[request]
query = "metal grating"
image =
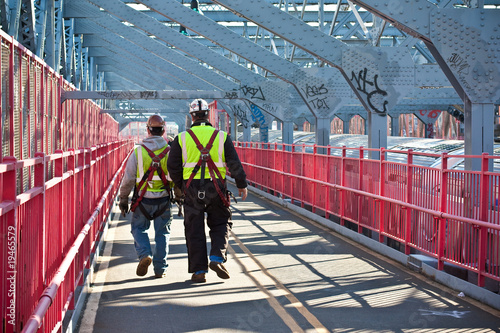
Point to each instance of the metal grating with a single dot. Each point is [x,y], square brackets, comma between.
[5,101]
[32,118]
[16,105]
[25,121]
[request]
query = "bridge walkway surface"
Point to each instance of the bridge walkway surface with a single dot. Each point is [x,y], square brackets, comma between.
[288,274]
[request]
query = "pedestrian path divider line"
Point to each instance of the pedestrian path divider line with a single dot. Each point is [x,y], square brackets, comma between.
[280,310]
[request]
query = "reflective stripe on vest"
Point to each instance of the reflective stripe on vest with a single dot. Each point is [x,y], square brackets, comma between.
[191,154]
[143,163]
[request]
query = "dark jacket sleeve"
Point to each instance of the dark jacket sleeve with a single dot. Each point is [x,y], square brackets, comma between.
[234,164]
[174,163]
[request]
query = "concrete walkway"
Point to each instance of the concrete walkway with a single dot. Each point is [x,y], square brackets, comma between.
[288,274]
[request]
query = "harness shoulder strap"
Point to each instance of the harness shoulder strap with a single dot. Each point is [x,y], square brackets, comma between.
[205,158]
[148,175]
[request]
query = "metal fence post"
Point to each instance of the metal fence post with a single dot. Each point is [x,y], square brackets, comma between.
[409,199]
[381,224]
[342,183]
[483,216]
[442,208]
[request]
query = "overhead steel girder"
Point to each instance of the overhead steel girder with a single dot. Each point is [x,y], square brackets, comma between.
[318,90]
[113,42]
[143,71]
[140,39]
[150,94]
[464,43]
[277,92]
[461,40]
[166,56]
[379,77]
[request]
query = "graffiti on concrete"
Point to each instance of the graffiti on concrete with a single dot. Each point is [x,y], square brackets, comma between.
[315,95]
[241,114]
[374,95]
[259,117]
[253,93]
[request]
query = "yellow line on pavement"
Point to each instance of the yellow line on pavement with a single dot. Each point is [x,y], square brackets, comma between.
[287,318]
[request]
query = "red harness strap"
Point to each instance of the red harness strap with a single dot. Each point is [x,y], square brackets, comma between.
[212,168]
[148,175]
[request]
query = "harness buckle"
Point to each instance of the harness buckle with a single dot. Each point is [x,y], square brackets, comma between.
[205,154]
[155,164]
[201,195]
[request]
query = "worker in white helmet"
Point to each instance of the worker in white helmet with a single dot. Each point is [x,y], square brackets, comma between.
[197,164]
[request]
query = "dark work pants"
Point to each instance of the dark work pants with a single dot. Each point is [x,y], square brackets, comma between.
[218,221]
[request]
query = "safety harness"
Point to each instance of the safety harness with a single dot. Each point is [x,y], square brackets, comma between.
[140,189]
[206,160]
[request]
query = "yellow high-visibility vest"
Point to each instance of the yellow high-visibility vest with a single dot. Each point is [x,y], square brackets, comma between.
[191,154]
[143,163]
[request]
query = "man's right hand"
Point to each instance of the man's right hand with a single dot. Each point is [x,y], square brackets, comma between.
[243,192]
[123,206]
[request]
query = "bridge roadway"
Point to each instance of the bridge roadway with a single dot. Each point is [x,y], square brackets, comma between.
[288,274]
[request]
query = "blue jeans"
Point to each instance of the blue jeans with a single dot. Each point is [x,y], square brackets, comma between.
[140,226]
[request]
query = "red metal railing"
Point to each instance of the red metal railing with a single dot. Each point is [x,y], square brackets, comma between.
[52,230]
[450,215]
[49,192]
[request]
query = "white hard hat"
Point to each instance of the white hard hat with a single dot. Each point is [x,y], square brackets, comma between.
[198,105]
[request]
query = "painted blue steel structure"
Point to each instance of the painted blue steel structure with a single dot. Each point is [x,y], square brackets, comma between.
[289,61]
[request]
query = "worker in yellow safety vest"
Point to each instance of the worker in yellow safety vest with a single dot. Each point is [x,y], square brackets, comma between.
[197,164]
[146,173]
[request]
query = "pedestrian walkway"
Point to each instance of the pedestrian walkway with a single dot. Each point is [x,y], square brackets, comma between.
[288,274]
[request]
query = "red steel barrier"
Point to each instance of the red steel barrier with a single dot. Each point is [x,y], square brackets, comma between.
[451,215]
[48,190]
[42,224]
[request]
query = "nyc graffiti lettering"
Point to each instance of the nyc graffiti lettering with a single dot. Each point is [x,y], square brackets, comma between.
[254,93]
[432,114]
[118,94]
[371,90]
[459,64]
[430,130]
[148,94]
[319,103]
[259,117]
[230,95]
[312,93]
[271,108]
[241,115]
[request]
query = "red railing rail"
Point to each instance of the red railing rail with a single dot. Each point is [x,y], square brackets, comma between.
[52,230]
[450,215]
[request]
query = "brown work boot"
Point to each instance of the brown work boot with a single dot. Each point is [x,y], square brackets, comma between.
[198,278]
[219,268]
[142,268]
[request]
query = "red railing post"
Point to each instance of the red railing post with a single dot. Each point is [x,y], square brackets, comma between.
[315,176]
[302,195]
[11,236]
[483,216]
[443,194]
[409,199]
[328,180]
[342,183]
[360,187]
[381,218]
